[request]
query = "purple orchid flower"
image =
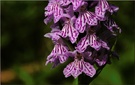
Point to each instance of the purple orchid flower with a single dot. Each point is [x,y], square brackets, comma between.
[59,52]
[85,17]
[78,66]
[80,34]
[100,9]
[112,26]
[92,41]
[102,61]
[54,35]
[99,57]
[69,30]
[54,9]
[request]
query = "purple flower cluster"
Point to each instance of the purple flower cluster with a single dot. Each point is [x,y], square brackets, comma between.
[88,32]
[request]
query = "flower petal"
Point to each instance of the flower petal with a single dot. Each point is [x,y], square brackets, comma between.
[72,53]
[65,31]
[65,2]
[104,45]
[91,18]
[80,24]
[100,9]
[85,17]
[76,4]
[77,68]
[100,14]
[102,61]
[82,45]
[103,4]
[48,19]
[74,68]
[54,35]
[49,9]
[70,31]
[113,9]
[62,58]
[93,42]
[88,69]
[90,39]
[87,55]
[58,12]
[59,52]
[68,70]
[73,34]
[49,59]
[112,26]
[53,8]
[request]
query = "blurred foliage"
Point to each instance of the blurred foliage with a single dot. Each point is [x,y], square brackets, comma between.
[22,42]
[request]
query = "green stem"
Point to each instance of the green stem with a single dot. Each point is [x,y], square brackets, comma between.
[76,81]
[112,49]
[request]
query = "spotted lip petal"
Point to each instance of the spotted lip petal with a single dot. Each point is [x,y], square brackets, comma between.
[54,8]
[68,70]
[90,40]
[58,12]
[59,52]
[82,44]
[85,17]
[76,68]
[70,31]
[100,9]
[100,14]
[72,69]
[88,69]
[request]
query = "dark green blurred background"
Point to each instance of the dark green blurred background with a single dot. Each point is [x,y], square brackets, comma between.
[24,48]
